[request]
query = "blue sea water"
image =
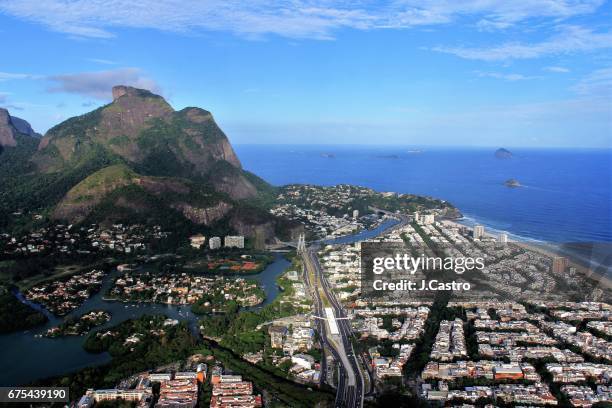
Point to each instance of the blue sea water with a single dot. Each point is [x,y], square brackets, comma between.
[566,195]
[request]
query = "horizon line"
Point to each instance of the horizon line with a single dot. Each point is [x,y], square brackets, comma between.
[419,146]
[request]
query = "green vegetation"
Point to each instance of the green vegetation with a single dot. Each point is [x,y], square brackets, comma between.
[555,388]
[39,191]
[15,316]
[361,199]
[14,161]
[103,178]
[471,340]
[34,271]
[266,192]
[79,325]
[157,345]
[420,355]
[119,141]
[237,330]
[286,392]
[100,169]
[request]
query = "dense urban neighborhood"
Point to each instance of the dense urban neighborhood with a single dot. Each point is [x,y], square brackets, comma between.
[522,338]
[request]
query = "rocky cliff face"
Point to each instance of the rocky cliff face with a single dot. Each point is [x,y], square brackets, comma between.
[24,127]
[141,129]
[7,129]
[137,160]
[131,112]
[203,215]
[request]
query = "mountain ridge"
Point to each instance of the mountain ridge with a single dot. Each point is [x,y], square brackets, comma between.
[138,158]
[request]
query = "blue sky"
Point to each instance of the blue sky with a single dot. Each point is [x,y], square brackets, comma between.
[456,72]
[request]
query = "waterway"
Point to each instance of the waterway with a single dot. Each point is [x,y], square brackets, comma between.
[26,357]
[362,235]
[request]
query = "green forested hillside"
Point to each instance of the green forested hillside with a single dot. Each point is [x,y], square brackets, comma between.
[137,160]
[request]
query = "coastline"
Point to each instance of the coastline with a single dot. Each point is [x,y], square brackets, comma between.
[548,250]
[549,208]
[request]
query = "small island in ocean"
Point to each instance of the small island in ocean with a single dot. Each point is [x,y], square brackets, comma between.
[388,156]
[328,155]
[502,153]
[512,183]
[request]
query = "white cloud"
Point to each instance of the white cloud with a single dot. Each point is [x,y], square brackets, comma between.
[8,76]
[489,14]
[598,84]
[102,61]
[504,76]
[99,84]
[570,39]
[290,18]
[561,70]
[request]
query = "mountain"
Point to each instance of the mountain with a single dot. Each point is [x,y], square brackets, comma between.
[24,127]
[11,127]
[7,130]
[142,129]
[17,144]
[138,160]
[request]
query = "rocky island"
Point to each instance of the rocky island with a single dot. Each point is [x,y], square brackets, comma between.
[512,183]
[502,153]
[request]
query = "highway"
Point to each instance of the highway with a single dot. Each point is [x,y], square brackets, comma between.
[350,384]
[350,388]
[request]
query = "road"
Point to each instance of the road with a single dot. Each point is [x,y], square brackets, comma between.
[350,389]
[350,384]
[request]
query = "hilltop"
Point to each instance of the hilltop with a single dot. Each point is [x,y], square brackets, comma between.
[135,159]
[141,129]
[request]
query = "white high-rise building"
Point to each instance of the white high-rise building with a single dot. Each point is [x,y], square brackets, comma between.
[355,214]
[478,231]
[416,217]
[503,238]
[214,243]
[234,241]
[559,264]
[427,219]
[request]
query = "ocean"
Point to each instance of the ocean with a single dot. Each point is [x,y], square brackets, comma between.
[565,195]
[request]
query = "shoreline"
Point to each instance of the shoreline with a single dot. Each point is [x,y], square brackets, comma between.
[547,250]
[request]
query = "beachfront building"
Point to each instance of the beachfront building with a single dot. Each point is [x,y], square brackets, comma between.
[479,232]
[559,265]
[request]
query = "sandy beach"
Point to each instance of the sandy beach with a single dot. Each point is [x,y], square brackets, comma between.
[549,251]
